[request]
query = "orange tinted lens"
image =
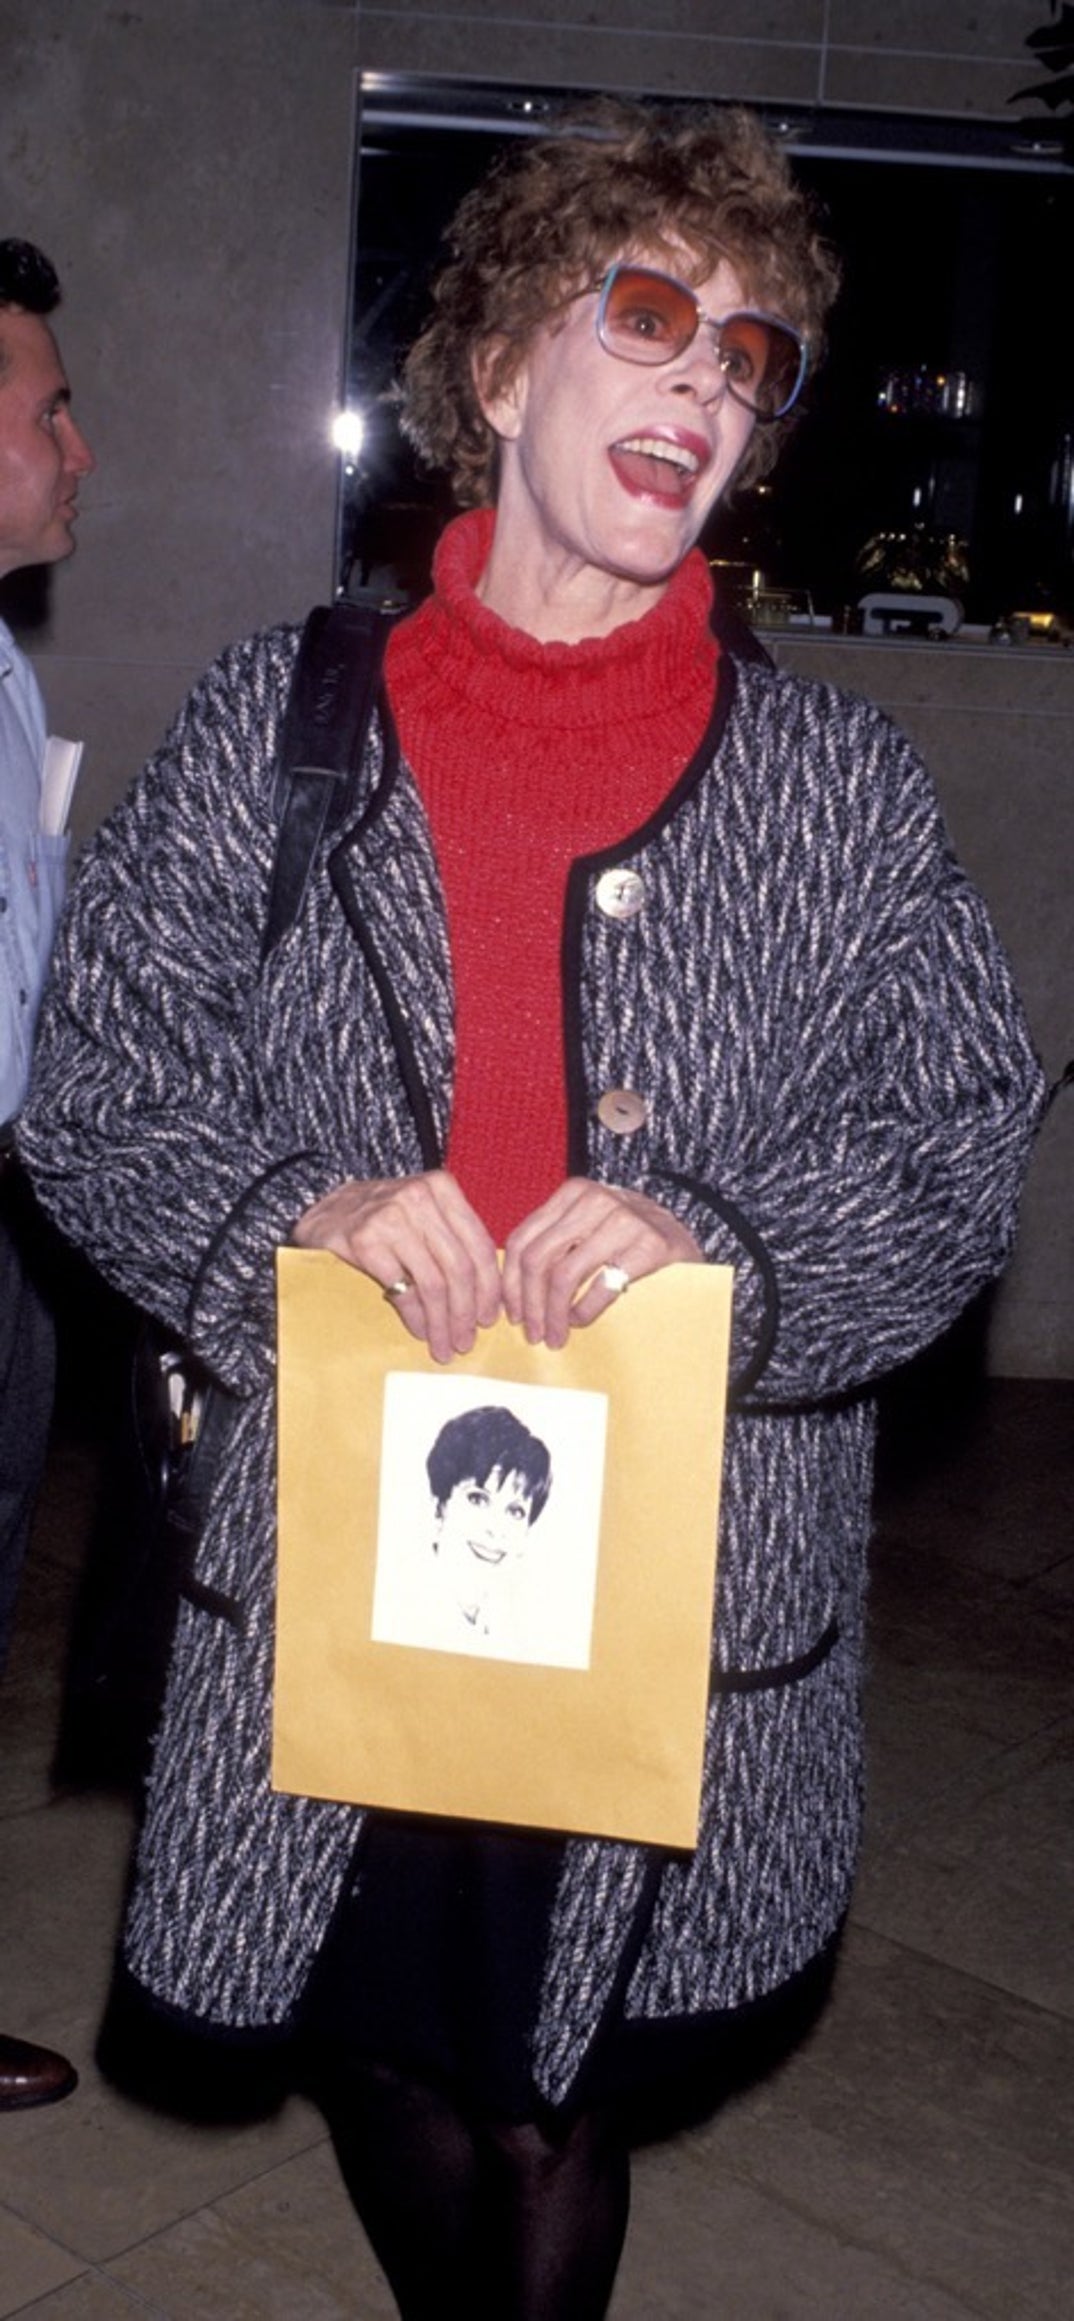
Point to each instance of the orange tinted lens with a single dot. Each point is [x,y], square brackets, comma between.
[760,360]
[646,317]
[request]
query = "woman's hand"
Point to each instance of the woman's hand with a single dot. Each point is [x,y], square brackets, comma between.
[561,1248]
[421,1231]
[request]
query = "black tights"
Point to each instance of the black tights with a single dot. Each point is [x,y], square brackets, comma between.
[502,2223]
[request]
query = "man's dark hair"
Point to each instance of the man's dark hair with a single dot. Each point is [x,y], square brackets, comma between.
[27,278]
[488,1441]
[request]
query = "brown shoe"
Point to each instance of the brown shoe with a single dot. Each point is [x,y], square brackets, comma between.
[30,2075]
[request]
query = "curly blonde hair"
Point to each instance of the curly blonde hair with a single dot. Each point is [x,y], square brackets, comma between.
[550,218]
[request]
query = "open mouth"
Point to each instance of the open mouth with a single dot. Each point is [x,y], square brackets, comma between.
[484,1552]
[661,469]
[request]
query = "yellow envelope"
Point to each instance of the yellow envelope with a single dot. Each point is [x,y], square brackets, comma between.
[528,1644]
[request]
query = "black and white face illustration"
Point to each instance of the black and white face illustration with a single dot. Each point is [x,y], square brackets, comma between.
[488,1542]
[480,1538]
[484,1514]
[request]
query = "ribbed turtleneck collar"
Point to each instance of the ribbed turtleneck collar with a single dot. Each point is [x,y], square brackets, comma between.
[643,667]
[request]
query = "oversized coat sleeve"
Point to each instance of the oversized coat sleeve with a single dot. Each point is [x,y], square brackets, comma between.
[148,1133]
[880,1092]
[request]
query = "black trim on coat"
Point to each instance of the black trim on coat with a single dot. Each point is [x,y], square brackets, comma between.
[578,1102]
[755,1247]
[216,1241]
[613,2008]
[339,871]
[725,1681]
[782,1672]
[574,916]
[214,1601]
[389,770]
[414,1085]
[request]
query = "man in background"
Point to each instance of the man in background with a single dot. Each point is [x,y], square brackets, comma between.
[43,459]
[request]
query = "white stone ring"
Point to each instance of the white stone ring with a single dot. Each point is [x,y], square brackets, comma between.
[615,1277]
[394,1290]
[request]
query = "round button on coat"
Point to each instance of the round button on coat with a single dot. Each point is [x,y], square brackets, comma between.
[620,894]
[622,1110]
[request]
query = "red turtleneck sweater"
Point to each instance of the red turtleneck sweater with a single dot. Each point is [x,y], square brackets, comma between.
[526,756]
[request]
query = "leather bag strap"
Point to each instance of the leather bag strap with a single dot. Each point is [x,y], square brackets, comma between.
[329,708]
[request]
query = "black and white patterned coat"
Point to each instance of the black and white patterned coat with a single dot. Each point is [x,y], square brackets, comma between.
[839,1093]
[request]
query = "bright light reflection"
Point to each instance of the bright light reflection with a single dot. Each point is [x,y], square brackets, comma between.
[348,433]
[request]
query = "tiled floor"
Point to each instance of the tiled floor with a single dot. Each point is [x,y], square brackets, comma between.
[913,2162]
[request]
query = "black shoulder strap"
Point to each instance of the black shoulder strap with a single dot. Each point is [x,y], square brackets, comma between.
[325,724]
[736,635]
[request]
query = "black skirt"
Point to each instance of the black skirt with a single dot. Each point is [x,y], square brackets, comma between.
[434,1964]
[434,1961]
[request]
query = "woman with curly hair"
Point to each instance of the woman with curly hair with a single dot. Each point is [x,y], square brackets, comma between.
[636,953]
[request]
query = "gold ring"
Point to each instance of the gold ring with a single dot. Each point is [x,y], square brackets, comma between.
[394,1290]
[615,1277]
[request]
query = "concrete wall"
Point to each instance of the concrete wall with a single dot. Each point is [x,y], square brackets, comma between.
[188,167]
[915,55]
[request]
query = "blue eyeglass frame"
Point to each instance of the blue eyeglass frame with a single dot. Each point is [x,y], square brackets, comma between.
[737,314]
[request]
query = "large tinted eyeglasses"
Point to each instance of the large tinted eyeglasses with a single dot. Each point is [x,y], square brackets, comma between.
[646,317]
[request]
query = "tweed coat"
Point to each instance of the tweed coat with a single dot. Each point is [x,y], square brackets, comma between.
[839,1098]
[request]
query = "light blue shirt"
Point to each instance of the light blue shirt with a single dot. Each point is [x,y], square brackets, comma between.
[32,871]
